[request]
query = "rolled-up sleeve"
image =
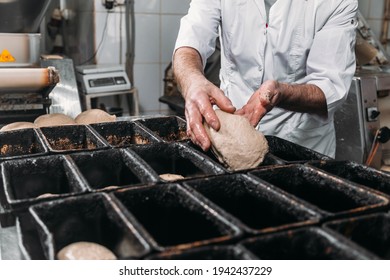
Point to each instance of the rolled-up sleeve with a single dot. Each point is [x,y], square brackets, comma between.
[199,28]
[331,60]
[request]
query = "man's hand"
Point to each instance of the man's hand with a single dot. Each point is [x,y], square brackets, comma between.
[200,95]
[261,102]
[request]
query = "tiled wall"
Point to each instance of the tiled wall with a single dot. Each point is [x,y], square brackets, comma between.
[157,24]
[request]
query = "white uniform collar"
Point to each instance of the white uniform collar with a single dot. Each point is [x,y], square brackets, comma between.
[264,6]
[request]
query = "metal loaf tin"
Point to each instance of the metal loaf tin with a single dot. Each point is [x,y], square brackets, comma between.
[169,129]
[106,169]
[21,144]
[332,196]
[291,152]
[269,158]
[281,152]
[357,173]
[256,207]
[171,218]
[91,218]
[226,252]
[28,240]
[124,133]
[71,138]
[7,217]
[33,180]
[311,243]
[177,158]
[372,232]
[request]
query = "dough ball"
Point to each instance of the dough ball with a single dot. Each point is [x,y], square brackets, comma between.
[85,251]
[237,144]
[170,177]
[56,119]
[17,125]
[94,116]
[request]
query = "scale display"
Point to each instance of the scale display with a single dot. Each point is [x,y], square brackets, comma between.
[110,81]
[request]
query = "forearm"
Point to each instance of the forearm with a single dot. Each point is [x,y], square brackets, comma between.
[305,98]
[187,67]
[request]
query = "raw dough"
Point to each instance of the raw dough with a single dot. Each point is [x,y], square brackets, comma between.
[170,177]
[85,251]
[17,125]
[55,119]
[46,195]
[237,144]
[94,116]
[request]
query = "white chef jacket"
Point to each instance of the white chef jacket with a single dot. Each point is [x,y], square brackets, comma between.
[299,42]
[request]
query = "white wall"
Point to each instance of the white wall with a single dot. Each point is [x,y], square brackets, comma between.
[157,24]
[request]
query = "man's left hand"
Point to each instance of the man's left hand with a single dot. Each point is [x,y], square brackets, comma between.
[261,102]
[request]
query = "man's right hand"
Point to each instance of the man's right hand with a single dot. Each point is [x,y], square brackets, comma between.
[200,96]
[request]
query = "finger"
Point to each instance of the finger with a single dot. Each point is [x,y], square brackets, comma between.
[189,129]
[195,128]
[201,137]
[222,101]
[257,115]
[253,120]
[249,112]
[206,110]
[240,112]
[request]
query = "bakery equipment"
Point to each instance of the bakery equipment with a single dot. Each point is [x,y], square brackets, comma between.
[31,85]
[311,243]
[64,96]
[102,78]
[24,93]
[95,81]
[357,121]
[28,92]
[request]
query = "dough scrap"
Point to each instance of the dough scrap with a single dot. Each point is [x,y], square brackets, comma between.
[170,177]
[55,119]
[94,116]
[18,125]
[237,144]
[85,251]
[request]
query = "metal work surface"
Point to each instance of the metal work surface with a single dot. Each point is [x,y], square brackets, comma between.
[64,96]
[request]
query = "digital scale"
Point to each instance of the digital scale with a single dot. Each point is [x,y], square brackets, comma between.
[95,81]
[102,78]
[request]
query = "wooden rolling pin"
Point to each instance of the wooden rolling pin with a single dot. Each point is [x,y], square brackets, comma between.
[27,79]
